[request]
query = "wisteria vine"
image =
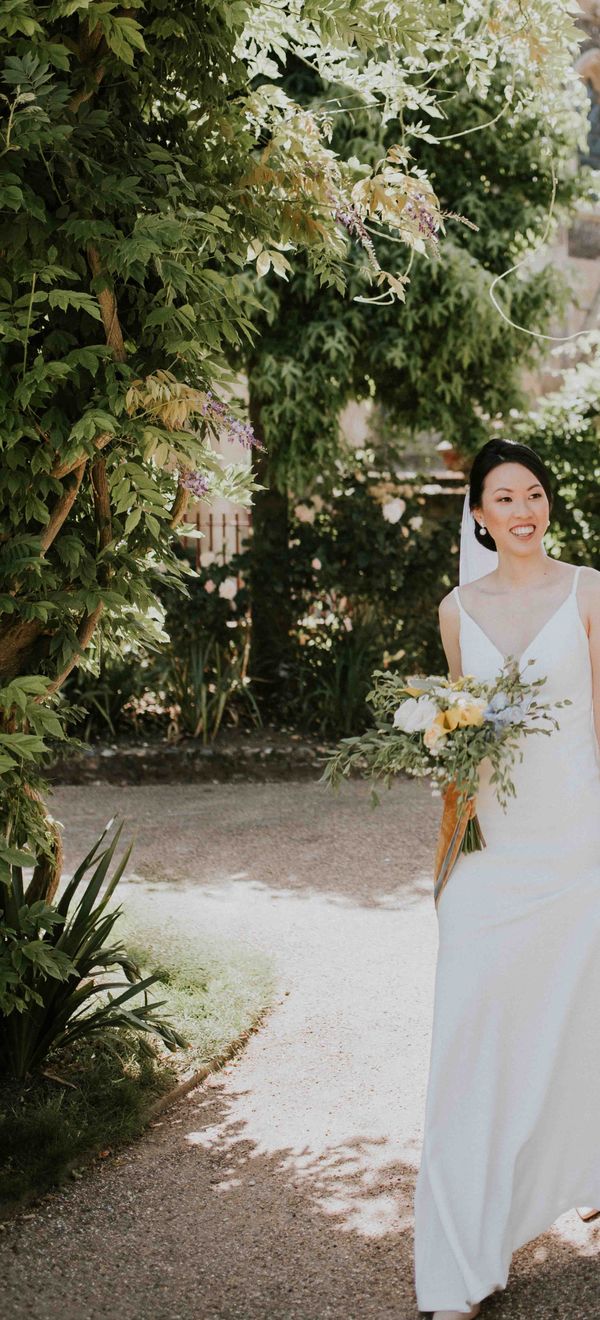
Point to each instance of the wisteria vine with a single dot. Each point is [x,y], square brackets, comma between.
[231,428]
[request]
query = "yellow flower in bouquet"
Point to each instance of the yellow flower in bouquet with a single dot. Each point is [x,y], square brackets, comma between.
[461,714]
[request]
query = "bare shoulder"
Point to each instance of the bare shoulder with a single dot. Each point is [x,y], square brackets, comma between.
[589,580]
[448,607]
[449,623]
[471,592]
[589,589]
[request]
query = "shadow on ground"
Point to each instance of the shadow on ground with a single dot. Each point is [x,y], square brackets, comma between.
[287,838]
[197,1223]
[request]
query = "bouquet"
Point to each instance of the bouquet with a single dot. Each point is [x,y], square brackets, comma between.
[432,726]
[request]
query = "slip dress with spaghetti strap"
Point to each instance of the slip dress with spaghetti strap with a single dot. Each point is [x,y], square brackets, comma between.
[512,1113]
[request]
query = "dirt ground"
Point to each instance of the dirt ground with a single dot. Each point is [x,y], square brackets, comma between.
[282,1189]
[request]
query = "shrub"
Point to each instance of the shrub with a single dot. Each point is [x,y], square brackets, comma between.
[58,967]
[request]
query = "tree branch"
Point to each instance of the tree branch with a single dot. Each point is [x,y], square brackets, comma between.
[88,47]
[101,495]
[64,469]
[85,633]
[61,510]
[179,506]
[46,875]
[87,627]
[108,308]
[16,640]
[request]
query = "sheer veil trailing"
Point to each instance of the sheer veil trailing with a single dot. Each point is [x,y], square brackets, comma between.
[475,559]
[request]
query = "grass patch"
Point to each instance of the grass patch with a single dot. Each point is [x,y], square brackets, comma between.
[47,1126]
[213,992]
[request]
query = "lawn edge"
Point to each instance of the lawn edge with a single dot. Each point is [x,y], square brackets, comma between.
[87,1161]
[214,1065]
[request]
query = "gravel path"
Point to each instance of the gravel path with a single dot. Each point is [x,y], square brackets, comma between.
[282,1189]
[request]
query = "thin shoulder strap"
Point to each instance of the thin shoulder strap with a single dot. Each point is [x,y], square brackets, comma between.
[457,597]
[574,582]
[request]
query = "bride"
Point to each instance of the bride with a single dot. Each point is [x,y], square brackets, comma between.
[511,1132]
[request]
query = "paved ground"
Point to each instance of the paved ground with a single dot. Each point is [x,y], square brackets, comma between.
[282,1190]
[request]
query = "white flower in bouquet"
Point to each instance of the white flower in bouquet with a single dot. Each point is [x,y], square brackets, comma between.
[415,714]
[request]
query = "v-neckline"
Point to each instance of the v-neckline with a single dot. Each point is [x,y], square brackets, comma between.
[538,634]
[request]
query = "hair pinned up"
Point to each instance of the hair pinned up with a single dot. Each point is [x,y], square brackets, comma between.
[490,456]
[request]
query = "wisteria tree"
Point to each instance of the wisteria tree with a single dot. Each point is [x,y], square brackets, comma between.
[444,359]
[151,158]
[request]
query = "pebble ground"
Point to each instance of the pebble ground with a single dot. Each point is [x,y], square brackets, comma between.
[281,1189]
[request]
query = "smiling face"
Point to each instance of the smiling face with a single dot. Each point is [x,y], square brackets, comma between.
[514,508]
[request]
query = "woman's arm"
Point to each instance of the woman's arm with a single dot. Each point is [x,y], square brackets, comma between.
[449,618]
[589,609]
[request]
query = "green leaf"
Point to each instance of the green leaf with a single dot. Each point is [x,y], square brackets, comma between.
[26,745]
[65,298]
[15,856]
[132,520]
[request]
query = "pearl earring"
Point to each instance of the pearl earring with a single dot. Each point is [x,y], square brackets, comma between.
[483,527]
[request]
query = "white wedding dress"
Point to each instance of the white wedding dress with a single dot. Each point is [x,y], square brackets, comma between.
[512,1116]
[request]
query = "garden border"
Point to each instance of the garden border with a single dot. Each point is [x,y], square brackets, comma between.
[10,1214]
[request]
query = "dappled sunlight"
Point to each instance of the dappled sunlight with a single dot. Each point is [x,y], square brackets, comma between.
[347,1184]
[222,886]
[362,1184]
[358,1185]
[356,1195]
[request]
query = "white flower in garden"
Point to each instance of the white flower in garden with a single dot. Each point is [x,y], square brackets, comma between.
[228,588]
[209,585]
[415,714]
[393,510]
[416,523]
[304,513]
[316,564]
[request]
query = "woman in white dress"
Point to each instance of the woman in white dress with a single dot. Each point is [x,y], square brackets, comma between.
[512,1131]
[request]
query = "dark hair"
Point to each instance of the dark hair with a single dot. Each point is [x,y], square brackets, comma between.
[490,456]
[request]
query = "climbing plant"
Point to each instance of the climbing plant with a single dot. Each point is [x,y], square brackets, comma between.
[154,169]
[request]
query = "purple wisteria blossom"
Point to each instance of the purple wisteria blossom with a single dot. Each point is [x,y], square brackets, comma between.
[352,222]
[230,425]
[426,222]
[197,482]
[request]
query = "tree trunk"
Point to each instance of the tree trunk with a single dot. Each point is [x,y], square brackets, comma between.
[269,581]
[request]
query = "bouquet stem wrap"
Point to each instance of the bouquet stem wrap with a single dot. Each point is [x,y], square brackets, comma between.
[460,831]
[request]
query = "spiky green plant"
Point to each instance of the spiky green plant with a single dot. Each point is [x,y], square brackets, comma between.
[59,967]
